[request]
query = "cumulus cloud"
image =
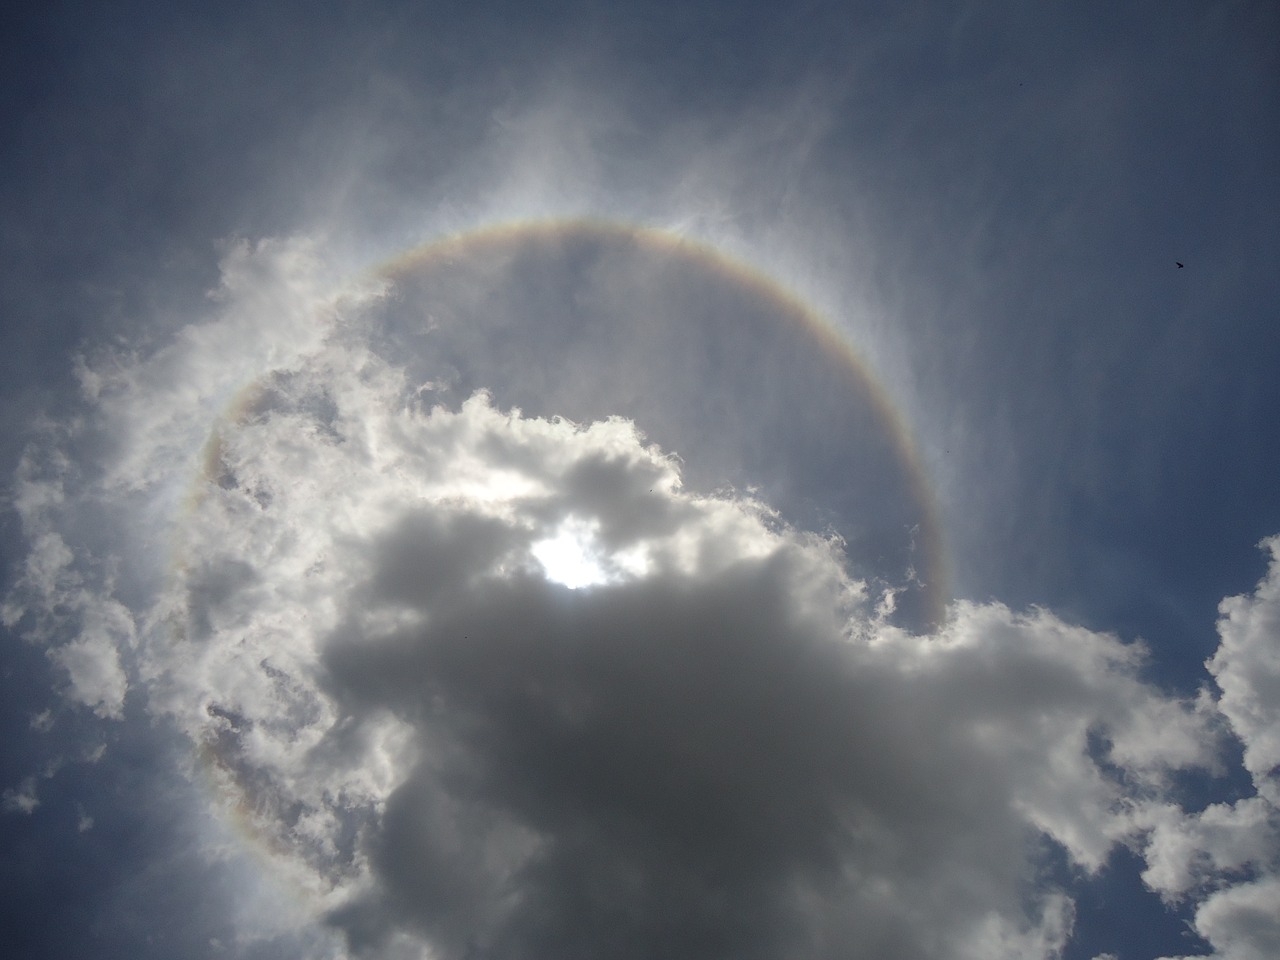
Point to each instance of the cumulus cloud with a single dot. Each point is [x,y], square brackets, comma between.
[1228,855]
[1247,669]
[491,684]
[718,750]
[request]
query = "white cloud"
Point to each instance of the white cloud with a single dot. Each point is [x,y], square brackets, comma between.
[1247,669]
[23,798]
[1229,854]
[83,629]
[1242,921]
[1189,851]
[93,663]
[716,744]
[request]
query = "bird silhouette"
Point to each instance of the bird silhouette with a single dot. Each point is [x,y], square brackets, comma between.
[1179,264]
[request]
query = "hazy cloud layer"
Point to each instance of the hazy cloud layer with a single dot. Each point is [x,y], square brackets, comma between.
[357,605]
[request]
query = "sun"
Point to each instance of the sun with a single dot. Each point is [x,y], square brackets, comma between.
[573,557]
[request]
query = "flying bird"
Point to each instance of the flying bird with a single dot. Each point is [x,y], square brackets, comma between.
[1179,263]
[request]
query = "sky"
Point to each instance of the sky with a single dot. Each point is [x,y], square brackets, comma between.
[553,480]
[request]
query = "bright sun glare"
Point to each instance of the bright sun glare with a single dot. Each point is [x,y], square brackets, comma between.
[572,557]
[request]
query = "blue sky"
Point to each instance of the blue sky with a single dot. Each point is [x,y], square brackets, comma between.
[846,310]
